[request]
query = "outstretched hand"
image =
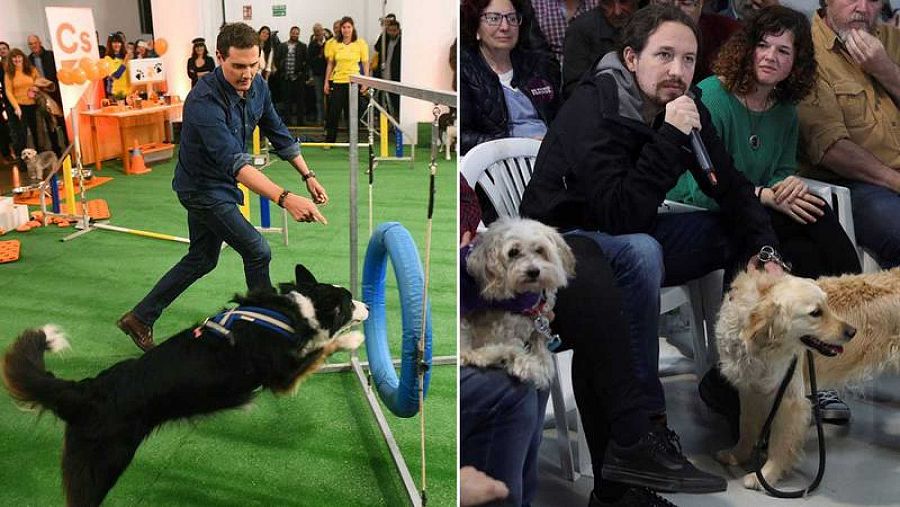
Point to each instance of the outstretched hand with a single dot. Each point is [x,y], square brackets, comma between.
[316,191]
[303,209]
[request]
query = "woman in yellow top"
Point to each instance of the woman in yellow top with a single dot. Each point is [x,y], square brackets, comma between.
[20,86]
[117,83]
[344,60]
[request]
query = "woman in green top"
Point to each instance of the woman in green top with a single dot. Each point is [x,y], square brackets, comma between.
[761,73]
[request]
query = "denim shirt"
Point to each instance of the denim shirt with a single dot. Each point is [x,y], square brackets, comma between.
[218,126]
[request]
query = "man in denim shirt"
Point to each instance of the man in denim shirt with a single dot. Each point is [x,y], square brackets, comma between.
[220,115]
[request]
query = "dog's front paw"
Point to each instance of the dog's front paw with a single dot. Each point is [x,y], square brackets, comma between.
[751,482]
[726,457]
[351,340]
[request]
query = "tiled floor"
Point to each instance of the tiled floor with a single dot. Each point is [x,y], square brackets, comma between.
[863,458]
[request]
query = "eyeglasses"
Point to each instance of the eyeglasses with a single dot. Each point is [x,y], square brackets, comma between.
[495,18]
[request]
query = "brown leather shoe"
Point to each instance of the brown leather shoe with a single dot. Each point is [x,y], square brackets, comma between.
[140,333]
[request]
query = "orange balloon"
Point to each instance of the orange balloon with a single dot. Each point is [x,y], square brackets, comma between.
[160,46]
[103,67]
[79,76]
[86,63]
[64,75]
[92,72]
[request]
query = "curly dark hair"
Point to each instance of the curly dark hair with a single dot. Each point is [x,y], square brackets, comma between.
[470,17]
[735,61]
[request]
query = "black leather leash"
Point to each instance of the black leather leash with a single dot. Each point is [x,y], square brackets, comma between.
[763,442]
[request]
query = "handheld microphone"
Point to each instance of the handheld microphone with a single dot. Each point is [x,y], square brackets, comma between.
[700,152]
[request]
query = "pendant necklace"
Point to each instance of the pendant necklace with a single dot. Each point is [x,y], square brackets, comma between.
[754,140]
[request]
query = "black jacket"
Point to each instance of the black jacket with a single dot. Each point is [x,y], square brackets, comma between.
[600,170]
[395,61]
[48,62]
[483,113]
[300,63]
[588,38]
[315,55]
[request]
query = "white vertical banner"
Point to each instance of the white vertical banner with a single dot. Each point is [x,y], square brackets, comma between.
[72,34]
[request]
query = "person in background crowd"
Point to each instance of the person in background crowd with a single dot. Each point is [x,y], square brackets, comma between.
[129,49]
[508,91]
[44,61]
[117,55]
[140,49]
[21,82]
[850,124]
[347,56]
[6,150]
[151,50]
[553,18]
[389,65]
[591,36]
[267,47]
[715,29]
[292,71]
[200,63]
[763,71]
[316,60]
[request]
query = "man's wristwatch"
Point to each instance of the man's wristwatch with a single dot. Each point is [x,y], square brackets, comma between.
[769,254]
[310,174]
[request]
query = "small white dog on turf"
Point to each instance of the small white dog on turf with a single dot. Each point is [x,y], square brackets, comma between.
[509,280]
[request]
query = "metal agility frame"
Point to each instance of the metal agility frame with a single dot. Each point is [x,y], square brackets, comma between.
[436,97]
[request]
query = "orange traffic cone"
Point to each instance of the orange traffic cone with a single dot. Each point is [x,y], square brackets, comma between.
[137,161]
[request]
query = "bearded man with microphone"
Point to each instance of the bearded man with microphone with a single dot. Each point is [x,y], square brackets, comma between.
[619,143]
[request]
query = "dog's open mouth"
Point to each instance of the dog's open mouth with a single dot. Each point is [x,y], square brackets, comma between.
[826,349]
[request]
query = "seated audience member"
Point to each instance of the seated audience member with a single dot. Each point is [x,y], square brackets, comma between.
[762,72]
[743,9]
[591,36]
[617,426]
[553,17]
[715,29]
[850,123]
[508,91]
[618,145]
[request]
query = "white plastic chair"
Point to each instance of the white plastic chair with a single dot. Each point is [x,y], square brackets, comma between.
[503,169]
[838,198]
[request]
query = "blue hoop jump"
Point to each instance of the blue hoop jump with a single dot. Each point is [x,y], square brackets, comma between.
[401,395]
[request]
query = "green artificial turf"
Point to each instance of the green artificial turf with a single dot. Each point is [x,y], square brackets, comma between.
[321,447]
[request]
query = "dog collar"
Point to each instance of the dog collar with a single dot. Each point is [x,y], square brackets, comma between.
[221,323]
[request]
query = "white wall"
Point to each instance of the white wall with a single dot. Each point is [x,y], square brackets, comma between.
[179,26]
[426,50]
[21,18]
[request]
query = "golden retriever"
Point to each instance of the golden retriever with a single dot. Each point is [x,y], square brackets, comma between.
[852,322]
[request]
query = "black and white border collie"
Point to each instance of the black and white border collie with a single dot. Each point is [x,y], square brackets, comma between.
[270,340]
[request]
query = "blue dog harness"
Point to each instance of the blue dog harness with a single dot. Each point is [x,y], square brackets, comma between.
[221,323]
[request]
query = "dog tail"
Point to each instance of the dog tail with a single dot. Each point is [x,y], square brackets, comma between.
[29,382]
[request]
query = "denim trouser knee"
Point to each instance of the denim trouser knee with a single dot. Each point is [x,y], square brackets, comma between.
[500,424]
[875,212]
[210,222]
[680,247]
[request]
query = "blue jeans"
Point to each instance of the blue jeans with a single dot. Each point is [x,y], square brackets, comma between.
[875,212]
[681,247]
[500,423]
[210,222]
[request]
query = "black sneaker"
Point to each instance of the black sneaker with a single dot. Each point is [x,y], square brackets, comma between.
[831,407]
[656,462]
[634,497]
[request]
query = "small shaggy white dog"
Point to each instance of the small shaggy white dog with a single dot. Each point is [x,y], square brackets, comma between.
[39,164]
[852,322]
[516,266]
